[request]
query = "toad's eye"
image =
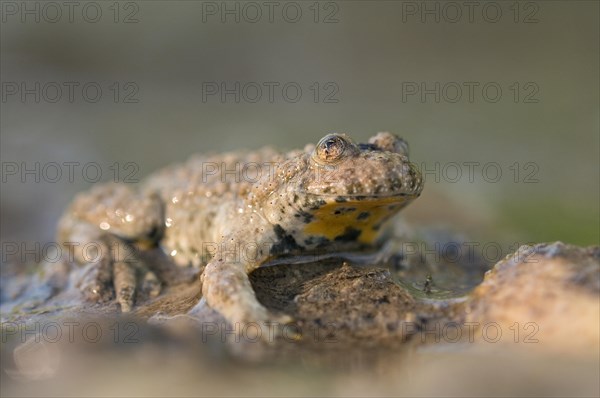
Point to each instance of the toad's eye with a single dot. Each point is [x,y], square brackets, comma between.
[331,147]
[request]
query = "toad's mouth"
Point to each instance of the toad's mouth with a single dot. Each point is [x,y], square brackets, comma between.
[360,197]
[389,197]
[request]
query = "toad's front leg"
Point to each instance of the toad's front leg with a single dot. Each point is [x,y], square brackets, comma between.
[227,289]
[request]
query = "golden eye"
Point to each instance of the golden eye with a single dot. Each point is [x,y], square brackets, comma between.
[331,147]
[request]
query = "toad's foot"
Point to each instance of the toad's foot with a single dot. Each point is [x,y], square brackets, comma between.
[227,289]
[118,273]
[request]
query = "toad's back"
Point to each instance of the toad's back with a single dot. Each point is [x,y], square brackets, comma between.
[204,197]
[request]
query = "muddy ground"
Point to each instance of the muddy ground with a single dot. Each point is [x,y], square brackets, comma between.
[401,327]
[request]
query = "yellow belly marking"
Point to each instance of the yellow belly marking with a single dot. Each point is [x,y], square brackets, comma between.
[331,225]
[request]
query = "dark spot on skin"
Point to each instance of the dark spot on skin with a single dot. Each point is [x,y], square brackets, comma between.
[344,210]
[349,235]
[316,204]
[285,242]
[363,216]
[306,216]
[318,241]
[156,233]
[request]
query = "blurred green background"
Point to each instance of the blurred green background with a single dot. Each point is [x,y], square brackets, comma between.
[366,57]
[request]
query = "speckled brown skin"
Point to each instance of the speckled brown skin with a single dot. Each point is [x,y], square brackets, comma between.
[236,211]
